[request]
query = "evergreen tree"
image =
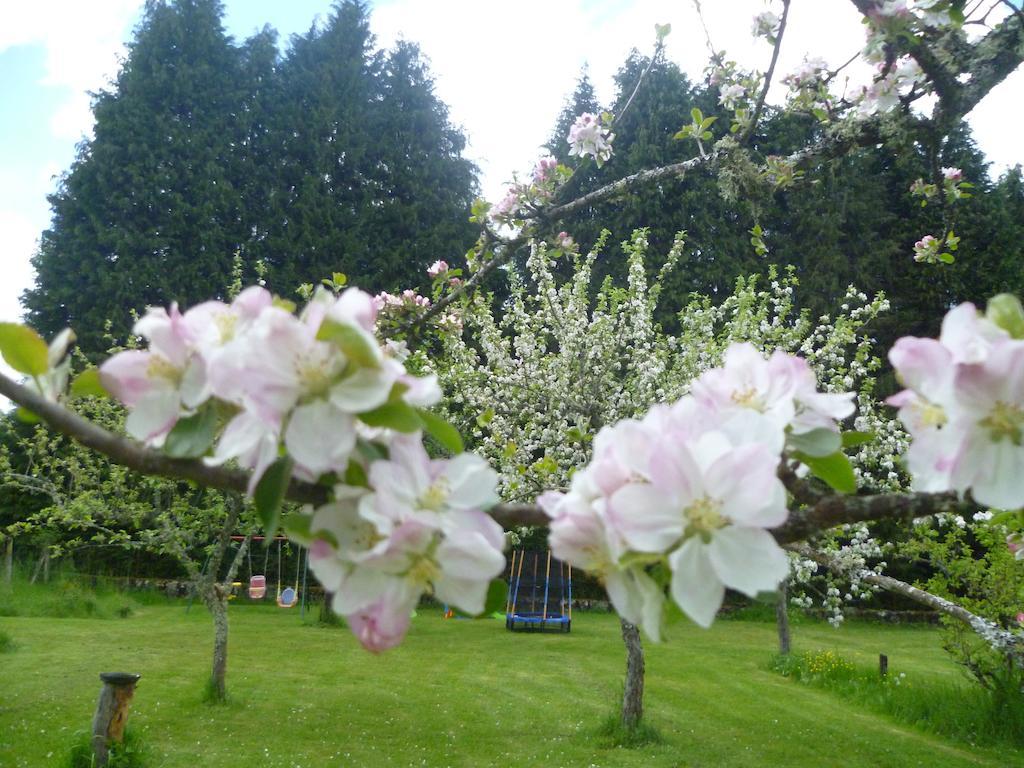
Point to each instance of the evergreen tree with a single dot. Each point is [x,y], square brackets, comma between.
[373,182]
[337,158]
[150,210]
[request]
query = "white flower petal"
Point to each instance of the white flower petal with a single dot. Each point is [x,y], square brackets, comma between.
[320,437]
[648,519]
[696,587]
[154,416]
[747,559]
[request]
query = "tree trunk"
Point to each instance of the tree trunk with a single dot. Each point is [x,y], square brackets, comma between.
[782,618]
[217,603]
[327,615]
[633,694]
[39,566]
[9,561]
[46,566]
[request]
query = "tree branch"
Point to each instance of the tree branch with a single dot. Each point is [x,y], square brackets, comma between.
[1003,640]
[768,75]
[135,456]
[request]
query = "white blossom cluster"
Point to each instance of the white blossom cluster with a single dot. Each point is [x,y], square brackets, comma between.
[534,378]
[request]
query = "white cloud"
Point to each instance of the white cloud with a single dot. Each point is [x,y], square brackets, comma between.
[83,43]
[504,69]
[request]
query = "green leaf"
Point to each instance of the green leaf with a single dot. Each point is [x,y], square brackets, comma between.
[24,349]
[26,416]
[834,469]
[398,415]
[852,438]
[355,475]
[443,432]
[351,341]
[286,304]
[88,384]
[697,115]
[1005,310]
[485,418]
[817,442]
[192,436]
[299,528]
[270,491]
[946,258]
[1006,517]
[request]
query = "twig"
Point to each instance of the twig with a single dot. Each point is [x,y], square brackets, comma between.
[768,75]
[135,456]
[707,35]
[1007,642]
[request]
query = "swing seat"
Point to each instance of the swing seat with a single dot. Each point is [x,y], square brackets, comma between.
[288,598]
[257,587]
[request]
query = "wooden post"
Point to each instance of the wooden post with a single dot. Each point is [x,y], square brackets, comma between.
[633,692]
[782,619]
[883,664]
[111,712]
[9,560]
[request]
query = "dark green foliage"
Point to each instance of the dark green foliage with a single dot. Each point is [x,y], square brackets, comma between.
[337,157]
[850,220]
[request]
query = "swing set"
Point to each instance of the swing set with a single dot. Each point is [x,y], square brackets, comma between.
[541,598]
[288,597]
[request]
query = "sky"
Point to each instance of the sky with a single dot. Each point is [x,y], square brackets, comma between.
[504,69]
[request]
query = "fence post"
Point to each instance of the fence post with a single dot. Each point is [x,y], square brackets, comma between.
[111,712]
[883,664]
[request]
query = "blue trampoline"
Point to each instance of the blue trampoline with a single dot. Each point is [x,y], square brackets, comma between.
[539,593]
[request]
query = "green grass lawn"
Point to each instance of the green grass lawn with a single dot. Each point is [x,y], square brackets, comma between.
[458,693]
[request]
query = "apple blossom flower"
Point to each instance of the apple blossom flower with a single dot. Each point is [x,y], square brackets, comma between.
[544,169]
[731,95]
[765,24]
[54,382]
[964,408]
[505,208]
[156,383]
[808,74]
[410,485]
[419,528]
[437,268]
[781,390]
[581,535]
[712,526]
[588,136]
[952,174]
[926,250]
[989,408]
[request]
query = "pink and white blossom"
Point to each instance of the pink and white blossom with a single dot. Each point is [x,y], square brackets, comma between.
[156,383]
[588,136]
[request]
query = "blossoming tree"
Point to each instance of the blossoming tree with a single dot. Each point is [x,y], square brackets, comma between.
[698,493]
